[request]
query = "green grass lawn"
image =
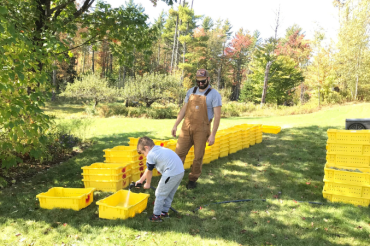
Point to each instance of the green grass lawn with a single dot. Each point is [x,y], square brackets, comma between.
[284,169]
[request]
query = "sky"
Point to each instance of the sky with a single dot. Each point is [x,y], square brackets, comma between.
[260,15]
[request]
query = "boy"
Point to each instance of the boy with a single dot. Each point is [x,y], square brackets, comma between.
[169,164]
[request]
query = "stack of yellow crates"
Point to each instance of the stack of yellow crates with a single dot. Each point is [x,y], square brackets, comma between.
[347,171]
[215,148]
[224,146]
[258,133]
[127,155]
[110,177]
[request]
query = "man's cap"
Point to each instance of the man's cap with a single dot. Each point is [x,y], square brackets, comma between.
[202,73]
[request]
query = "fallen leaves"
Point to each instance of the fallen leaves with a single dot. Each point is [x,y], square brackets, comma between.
[303,218]
[308,183]
[18,234]
[243,231]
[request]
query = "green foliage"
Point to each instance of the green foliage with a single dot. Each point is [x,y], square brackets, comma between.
[153,87]
[138,112]
[91,87]
[284,77]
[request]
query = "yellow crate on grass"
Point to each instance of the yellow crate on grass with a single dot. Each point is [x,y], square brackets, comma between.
[224,153]
[107,185]
[121,151]
[66,198]
[258,140]
[188,162]
[348,149]
[102,177]
[207,160]
[106,168]
[347,190]
[116,206]
[346,177]
[215,156]
[133,141]
[348,160]
[349,136]
[345,199]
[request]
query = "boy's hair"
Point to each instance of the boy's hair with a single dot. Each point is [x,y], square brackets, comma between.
[144,141]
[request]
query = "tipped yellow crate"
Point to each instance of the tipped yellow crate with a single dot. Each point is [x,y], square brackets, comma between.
[106,177]
[349,136]
[133,141]
[121,151]
[106,168]
[348,149]
[123,159]
[114,206]
[345,199]
[66,198]
[136,176]
[348,160]
[347,190]
[346,177]
[271,129]
[107,185]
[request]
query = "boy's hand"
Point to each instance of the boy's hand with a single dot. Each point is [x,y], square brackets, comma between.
[146,186]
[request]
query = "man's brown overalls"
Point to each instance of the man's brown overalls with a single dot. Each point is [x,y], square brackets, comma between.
[195,130]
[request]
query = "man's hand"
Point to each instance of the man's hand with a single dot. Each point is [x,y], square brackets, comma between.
[211,140]
[146,186]
[174,130]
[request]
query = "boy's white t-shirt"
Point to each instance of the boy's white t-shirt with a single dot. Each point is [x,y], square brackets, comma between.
[166,161]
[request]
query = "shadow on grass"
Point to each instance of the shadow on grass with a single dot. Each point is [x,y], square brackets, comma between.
[284,168]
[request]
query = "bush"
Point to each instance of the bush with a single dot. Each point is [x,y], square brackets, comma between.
[138,112]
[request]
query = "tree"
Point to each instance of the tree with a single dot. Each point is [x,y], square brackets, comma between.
[150,88]
[91,87]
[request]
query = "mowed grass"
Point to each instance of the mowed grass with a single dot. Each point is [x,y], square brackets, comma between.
[285,170]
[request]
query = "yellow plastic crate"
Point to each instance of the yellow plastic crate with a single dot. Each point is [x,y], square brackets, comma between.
[66,198]
[133,141]
[258,140]
[108,186]
[345,199]
[106,177]
[348,149]
[188,163]
[156,173]
[233,150]
[162,143]
[207,160]
[347,190]
[224,153]
[348,160]
[106,168]
[121,151]
[123,159]
[349,136]
[114,207]
[271,129]
[344,177]
[136,176]
[215,156]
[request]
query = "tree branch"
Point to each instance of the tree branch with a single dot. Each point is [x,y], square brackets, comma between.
[82,44]
[87,4]
[59,9]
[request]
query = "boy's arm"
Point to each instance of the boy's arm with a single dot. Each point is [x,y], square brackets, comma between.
[146,176]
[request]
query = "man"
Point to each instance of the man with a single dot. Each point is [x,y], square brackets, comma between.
[202,104]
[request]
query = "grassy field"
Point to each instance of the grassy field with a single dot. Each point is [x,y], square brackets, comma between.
[284,169]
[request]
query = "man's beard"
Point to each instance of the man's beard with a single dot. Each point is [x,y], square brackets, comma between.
[203,86]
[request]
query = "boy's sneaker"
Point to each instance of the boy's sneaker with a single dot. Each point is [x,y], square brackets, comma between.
[155,218]
[165,215]
[191,185]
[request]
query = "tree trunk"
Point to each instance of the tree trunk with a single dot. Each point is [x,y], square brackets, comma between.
[302,92]
[264,92]
[93,62]
[177,41]
[54,82]
[159,55]
[111,63]
[174,43]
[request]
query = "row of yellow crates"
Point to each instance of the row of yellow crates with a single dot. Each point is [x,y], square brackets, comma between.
[347,171]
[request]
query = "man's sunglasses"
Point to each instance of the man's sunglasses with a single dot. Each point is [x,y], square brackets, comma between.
[202,81]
